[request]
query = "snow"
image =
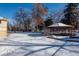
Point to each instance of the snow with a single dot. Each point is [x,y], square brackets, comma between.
[2,17]
[34,44]
[60,25]
[60,37]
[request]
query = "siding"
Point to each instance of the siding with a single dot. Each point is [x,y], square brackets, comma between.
[3,28]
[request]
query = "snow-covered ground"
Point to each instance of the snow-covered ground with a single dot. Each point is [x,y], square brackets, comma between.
[34,44]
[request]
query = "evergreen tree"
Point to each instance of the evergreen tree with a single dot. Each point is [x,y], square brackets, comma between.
[48,22]
[70,14]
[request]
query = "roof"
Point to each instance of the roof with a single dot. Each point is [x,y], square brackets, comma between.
[59,25]
[2,18]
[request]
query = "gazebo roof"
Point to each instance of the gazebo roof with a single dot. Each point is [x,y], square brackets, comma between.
[59,25]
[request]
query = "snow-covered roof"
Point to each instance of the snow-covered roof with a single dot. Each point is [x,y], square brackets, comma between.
[59,25]
[2,18]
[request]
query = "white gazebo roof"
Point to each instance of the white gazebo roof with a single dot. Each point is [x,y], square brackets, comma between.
[59,25]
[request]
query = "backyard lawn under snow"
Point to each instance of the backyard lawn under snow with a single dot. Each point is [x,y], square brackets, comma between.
[34,44]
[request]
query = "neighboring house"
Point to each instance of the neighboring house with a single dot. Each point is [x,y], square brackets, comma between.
[3,27]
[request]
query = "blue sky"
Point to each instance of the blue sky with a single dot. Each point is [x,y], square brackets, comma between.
[8,9]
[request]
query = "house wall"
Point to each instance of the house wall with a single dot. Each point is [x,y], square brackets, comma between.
[3,28]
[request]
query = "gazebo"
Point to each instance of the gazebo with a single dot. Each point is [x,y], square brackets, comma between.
[60,28]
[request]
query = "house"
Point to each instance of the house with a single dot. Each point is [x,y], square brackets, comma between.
[3,27]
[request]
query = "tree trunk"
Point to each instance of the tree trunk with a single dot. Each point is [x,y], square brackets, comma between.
[46,31]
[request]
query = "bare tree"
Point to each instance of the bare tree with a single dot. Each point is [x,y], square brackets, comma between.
[21,16]
[38,12]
